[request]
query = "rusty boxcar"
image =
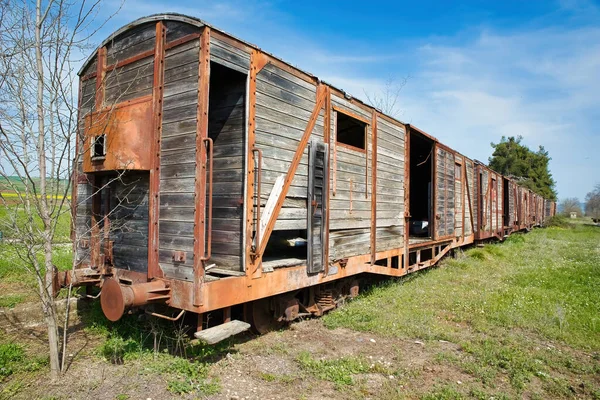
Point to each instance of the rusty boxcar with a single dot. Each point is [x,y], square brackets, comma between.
[216,178]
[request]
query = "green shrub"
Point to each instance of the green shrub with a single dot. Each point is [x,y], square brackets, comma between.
[559,221]
[115,349]
[10,355]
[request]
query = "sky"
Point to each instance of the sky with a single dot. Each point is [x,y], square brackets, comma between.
[474,70]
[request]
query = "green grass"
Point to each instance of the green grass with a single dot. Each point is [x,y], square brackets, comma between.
[13,359]
[17,282]
[509,306]
[162,347]
[13,217]
[340,371]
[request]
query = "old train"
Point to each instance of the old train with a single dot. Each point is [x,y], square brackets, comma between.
[216,178]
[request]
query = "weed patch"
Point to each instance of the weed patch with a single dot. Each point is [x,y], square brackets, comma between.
[503,303]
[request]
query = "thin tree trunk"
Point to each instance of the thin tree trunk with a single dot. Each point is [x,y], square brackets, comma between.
[46,294]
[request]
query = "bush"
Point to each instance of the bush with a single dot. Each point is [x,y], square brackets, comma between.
[559,221]
[115,348]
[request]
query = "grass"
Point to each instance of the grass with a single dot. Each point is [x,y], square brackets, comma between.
[13,217]
[17,283]
[340,371]
[161,347]
[524,311]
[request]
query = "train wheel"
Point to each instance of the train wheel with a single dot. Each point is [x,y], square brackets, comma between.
[261,317]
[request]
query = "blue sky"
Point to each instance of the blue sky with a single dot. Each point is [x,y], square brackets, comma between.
[476,70]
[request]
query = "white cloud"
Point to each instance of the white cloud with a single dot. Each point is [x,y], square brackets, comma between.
[541,81]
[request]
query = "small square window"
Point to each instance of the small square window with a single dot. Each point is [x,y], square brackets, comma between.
[351,132]
[98,147]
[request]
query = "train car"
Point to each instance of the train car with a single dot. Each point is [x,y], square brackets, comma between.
[490,203]
[441,198]
[216,178]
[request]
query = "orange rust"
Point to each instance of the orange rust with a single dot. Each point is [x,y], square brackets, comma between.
[182,40]
[352,114]
[116,298]
[154,269]
[100,74]
[292,169]
[251,190]
[131,60]
[327,140]
[200,188]
[374,187]
[127,131]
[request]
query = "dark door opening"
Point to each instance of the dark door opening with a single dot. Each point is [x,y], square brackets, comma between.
[226,122]
[421,173]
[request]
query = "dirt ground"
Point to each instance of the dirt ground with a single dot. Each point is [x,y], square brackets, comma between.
[253,367]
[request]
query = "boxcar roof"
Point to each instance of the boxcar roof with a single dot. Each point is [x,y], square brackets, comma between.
[200,23]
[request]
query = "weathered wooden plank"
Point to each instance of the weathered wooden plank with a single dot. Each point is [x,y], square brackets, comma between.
[177,29]
[221,332]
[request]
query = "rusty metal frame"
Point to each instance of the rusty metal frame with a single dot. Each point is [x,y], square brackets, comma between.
[407,133]
[373,187]
[463,174]
[321,95]
[334,148]
[352,114]
[201,158]
[473,230]
[100,75]
[257,63]
[182,40]
[132,59]
[154,270]
[327,140]
[209,193]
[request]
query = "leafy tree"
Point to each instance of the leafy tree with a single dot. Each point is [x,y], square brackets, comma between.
[569,205]
[531,169]
[592,203]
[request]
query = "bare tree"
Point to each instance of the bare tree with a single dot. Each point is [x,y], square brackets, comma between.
[592,203]
[41,44]
[569,205]
[387,99]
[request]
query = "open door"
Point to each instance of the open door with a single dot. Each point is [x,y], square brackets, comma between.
[421,155]
[316,206]
[444,192]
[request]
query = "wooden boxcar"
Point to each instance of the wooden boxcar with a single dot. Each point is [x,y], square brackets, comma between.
[490,203]
[216,178]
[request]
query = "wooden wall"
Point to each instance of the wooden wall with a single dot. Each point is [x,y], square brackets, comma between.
[284,104]
[135,79]
[512,204]
[470,198]
[350,191]
[459,196]
[390,185]
[128,216]
[178,159]
[83,192]
[444,192]
[226,128]
[483,194]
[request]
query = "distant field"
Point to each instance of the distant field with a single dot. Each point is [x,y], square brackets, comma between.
[11,187]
